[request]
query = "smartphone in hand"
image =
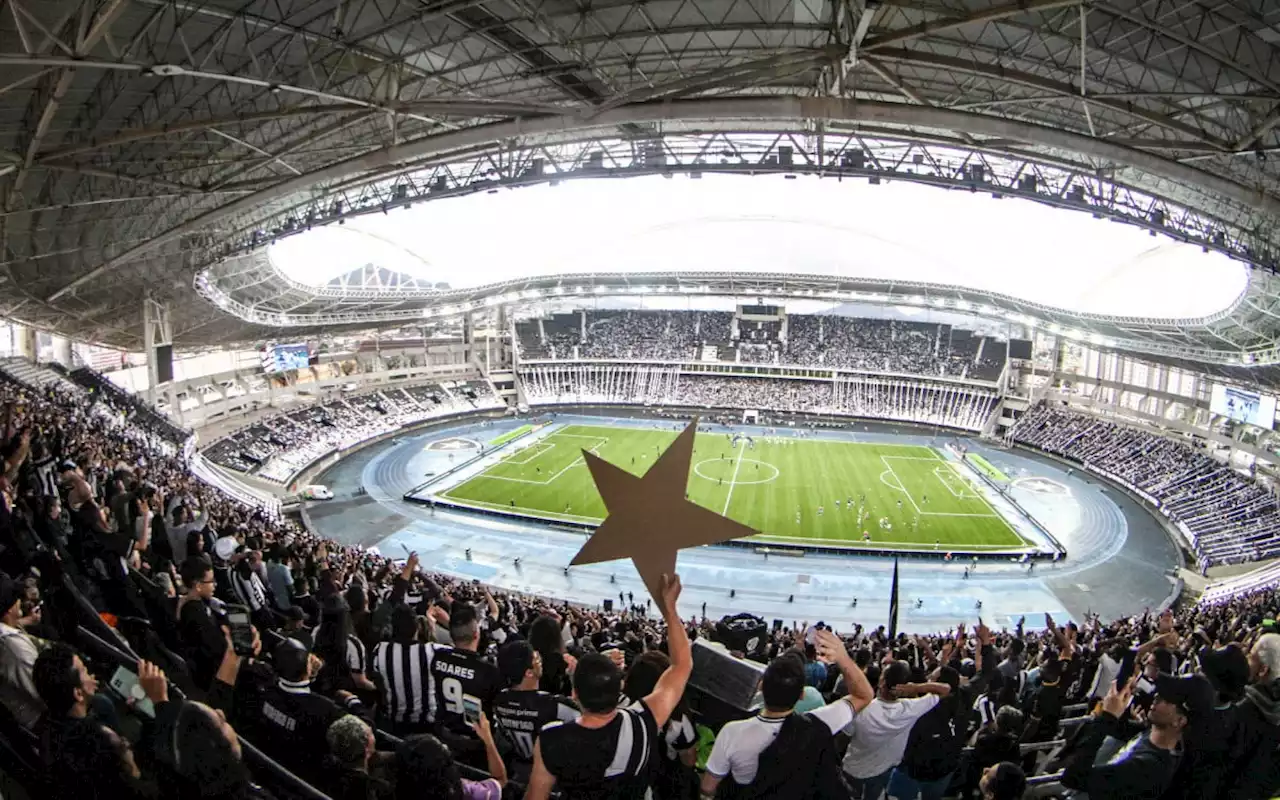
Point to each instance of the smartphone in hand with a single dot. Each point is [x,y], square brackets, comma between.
[125,683]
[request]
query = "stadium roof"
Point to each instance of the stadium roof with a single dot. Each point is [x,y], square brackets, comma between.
[766,224]
[144,140]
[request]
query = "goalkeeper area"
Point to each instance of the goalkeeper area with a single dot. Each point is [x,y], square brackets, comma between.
[794,490]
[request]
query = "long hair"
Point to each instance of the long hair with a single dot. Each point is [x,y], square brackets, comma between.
[332,635]
[425,769]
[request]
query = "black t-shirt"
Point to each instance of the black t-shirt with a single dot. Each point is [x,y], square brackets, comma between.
[455,673]
[519,716]
[598,763]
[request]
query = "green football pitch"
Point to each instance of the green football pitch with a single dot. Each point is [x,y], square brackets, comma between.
[791,490]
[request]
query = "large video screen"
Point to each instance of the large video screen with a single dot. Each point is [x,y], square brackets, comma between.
[284,357]
[1243,406]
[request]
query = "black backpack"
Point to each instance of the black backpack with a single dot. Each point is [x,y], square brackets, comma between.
[801,763]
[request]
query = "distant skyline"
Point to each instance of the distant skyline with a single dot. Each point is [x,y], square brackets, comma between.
[895,230]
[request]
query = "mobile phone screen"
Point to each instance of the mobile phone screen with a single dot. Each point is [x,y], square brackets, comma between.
[125,683]
[470,709]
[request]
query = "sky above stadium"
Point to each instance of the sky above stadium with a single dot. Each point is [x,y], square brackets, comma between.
[896,230]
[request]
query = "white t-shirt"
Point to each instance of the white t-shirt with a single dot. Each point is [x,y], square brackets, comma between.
[880,734]
[738,747]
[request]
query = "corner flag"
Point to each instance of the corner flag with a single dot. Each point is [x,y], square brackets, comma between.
[893,603]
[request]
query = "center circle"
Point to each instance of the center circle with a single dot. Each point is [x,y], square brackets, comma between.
[730,464]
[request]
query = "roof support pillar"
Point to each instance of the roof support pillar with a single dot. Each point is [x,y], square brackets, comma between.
[157,335]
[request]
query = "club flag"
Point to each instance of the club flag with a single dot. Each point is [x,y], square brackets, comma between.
[893,603]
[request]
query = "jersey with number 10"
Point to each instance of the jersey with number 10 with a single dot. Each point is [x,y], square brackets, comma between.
[455,673]
[520,714]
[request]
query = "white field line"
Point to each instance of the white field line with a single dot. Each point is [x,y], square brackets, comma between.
[898,478]
[541,447]
[946,478]
[536,512]
[742,448]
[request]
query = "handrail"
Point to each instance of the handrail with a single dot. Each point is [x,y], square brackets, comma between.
[292,782]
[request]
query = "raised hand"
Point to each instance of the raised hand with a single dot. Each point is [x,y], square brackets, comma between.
[151,679]
[1119,697]
[671,588]
[830,648]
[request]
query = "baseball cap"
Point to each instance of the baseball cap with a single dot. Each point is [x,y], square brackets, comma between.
[290,658]
[1227,669]
[1192,694]
[225,547]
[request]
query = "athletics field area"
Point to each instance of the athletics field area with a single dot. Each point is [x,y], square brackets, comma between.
[794,490]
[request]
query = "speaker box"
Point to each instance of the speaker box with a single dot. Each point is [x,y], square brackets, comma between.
[164,363]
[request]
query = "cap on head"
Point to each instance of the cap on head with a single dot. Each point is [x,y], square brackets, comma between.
[1192,694]
[292,660]
[1227,669]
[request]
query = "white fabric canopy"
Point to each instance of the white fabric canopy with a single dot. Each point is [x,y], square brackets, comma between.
[770,224]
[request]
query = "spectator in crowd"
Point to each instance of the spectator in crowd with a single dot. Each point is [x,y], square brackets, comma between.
[593,753]
[778,750]
[996,742]
[673,764]
[1003,781]
[405,666]
[18,653]
[1108,763]
[1254,773]
[199,620]
[521,711]
[557,666]
[879,735]
[353,748]
[293,721]
[426,768]
[280,579]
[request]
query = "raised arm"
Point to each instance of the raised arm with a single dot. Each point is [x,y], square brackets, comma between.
[830,648]
[664,697]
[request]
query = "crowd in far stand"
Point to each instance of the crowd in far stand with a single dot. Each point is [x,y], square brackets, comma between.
[372,679]
[1230,517]
[833,341]
[276,448]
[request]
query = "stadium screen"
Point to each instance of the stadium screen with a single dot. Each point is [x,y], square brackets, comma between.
[284,357]
[1243,406]
[1020,348]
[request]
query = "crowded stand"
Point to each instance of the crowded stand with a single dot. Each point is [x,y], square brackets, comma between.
[832,341]
[951,405]
[1227,517]
[278,448]
[162,640]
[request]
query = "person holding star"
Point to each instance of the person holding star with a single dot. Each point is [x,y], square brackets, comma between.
[609,751]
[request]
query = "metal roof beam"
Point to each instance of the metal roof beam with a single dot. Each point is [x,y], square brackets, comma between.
[747,108]
[993,14]
[1064,90]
